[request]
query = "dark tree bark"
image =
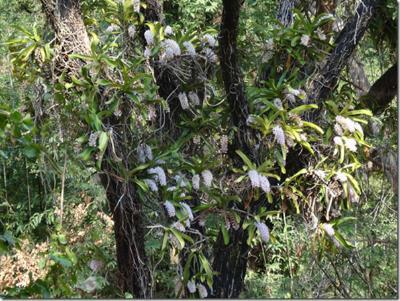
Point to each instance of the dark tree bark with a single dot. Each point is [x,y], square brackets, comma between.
[66,20]
[129,233]
[230,261]
[382,91]
[285,11]
[71,37]
[346,44]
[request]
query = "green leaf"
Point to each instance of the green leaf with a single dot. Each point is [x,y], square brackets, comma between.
[360,112]
[178,235]
[31,151]
[85,155]
[62,239]
[225,234]
[313,126]
[245,159]
[103,141]
[64,261]
[303,108]
[186,269]
[165,241]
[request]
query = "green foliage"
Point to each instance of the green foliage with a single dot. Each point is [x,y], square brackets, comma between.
[193,191]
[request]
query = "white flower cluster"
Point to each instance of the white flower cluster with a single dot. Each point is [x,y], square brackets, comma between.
[305,40]
[93,139]
[188,210]
[171,49]
[263,231]
[258,180]
[279,135]
[147,52]
[183,100]
[191,285]
[169,207]
[269,50]
[224,144]
[95,265]
[210,55]
[159,174]
[168,31]
[254,179]
[351,144]
[152,184]
[341,177]
[209,39]
[328,229]
[207,177]
[354,198]
[178,226]
[202,291]
[278,103]
[321,35]
[181,180]
[189,48]
[194,98]
[148,35]
[290,98]
[269,44]
[320,173]
[112,28]
[131,31]
[347,124]
[144,153]
[250,120]
[196,182]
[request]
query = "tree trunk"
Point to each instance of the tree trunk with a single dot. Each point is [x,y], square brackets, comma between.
[129,234]
[230,261]
[71,37]
[346,44]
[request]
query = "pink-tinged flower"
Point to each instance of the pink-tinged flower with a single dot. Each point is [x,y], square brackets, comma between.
[279,135]
[328,229]
[209,39]
[202,291]
[194,98]
[224,144]
[341,177]
[191,285]
[196,182]
[159,175]
[305,40]
[152,184]
[264,184]
[131,31]
[183,100]
[178,226]
[168,31]
[148,35]
[188,210]
[207,177]
[169,207]
[263,231]
[254,178]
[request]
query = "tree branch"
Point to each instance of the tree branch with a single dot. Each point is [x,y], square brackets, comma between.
[382,91]
[346,43]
